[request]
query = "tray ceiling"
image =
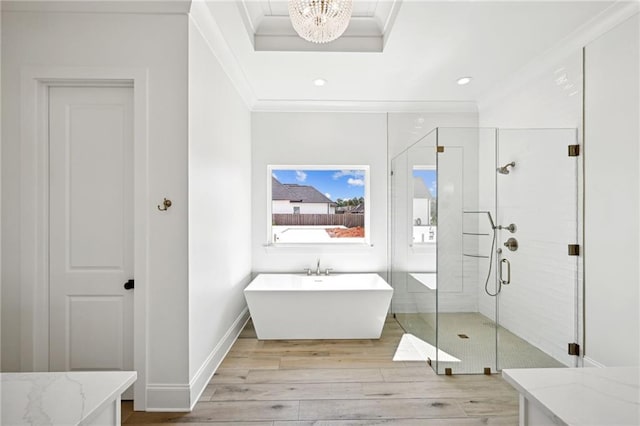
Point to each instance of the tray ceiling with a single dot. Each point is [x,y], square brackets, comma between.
[269,28]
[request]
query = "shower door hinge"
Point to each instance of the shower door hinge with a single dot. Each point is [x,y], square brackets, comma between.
[574,150]
[574,250]
[440,148]
[574,349]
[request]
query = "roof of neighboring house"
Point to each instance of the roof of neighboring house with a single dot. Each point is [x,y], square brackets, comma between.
[420,190]
[358,209]
[297,193]
[351,209]
[279,191]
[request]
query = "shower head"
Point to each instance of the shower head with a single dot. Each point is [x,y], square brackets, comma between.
[505,169]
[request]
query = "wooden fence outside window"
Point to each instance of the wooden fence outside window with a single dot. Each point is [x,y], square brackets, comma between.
[348,220]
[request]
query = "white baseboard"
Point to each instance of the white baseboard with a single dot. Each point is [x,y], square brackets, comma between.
[209,367]
[182,398]
[170,397]
[588,362]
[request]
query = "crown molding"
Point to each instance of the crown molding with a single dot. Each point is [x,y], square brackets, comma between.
[203,19]
[98,6]
[273,105]
[609,18]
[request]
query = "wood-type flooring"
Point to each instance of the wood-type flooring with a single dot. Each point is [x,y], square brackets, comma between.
[337,383]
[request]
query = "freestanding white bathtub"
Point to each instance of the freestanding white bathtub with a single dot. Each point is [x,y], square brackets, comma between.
[345,306]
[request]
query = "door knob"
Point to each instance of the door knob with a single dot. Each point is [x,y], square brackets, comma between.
[129,285]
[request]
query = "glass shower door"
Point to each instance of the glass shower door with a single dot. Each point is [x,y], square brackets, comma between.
[466,327]
[483,270]
[537,214]
[413,244]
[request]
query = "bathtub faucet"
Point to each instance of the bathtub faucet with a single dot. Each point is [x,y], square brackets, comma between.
[309,271]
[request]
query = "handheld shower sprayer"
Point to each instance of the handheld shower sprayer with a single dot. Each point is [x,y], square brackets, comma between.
[494,229]
[504,170]
[493,225]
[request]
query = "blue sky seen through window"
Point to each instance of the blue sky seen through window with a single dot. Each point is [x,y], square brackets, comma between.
[334,184]
[430,178]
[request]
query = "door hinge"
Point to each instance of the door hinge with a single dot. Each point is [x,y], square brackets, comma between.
[574,150]
[391,172]
[574,250]
[574,349]
[440,148]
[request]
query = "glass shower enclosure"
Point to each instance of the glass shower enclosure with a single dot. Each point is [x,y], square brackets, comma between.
[483,265]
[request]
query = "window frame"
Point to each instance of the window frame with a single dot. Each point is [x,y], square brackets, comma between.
[339,242]
[413,168]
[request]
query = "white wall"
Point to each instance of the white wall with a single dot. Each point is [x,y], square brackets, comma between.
[548,94]
[323,139]
[281,207]
[219,211]
[286,207]
[612,134]
[316,208]
[549,97]
[406,129]
[422,210]
[1,294]
[540,306]
[157,44]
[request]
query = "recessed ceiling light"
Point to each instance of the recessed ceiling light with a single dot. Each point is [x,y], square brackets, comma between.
[464,80]
[319,82]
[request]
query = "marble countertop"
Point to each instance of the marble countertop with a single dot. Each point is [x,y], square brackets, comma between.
[582,396]
[59,398]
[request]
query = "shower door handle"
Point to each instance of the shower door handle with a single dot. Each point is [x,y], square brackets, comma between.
[502,280]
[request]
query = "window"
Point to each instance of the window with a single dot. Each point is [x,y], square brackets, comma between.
[318,204]
[424,212]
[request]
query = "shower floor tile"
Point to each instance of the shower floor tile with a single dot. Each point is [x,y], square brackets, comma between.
[478,350]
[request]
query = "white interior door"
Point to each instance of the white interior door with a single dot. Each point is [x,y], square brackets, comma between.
[91,228]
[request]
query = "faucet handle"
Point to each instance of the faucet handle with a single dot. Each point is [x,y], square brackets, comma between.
[308,271]
[327,271]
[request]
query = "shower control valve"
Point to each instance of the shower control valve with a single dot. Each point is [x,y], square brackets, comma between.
[511,228]
[511,244]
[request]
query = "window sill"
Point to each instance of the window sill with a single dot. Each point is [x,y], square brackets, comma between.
[423,247]
[349,246]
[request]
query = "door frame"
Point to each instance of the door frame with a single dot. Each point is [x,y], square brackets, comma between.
[34,206]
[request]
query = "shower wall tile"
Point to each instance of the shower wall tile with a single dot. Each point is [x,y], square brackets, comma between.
[540,196]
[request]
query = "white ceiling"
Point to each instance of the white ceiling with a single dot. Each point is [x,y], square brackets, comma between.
[431,45]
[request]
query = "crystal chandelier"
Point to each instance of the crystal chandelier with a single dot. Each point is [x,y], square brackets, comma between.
[320,21]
